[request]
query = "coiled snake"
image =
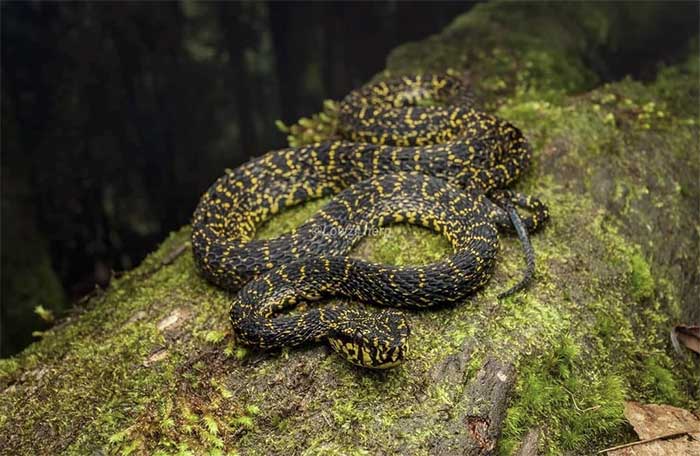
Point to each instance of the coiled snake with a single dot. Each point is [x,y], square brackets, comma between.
[445,167]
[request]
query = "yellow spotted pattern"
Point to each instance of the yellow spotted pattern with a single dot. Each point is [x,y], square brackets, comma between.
[445,166]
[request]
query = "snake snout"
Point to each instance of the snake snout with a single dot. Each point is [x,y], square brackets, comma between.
[372,340]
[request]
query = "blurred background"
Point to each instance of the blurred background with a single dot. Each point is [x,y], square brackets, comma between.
[117,116]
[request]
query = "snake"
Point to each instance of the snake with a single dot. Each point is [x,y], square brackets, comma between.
[411,149]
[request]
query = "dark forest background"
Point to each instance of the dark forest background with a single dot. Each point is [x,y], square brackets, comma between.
[117,116]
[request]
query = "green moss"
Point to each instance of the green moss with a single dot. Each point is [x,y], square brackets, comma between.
[319,127]
[657,382]
[391,246]
[291,218]
[241,353]
[526,60]
[642,280]
[558,393]
[678,86]
[214,337]
[7,367]
[253,410]
[244,421]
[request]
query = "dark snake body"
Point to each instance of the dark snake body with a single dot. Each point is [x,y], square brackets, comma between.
[442,167]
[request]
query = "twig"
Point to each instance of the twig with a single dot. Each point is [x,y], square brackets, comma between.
[573,399]
[166,261]
[323,414]
[176,252]
[590,409]
[639,442]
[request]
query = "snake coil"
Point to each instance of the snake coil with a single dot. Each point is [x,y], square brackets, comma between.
[445,167]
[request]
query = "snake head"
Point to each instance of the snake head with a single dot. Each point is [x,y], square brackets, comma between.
[367,339]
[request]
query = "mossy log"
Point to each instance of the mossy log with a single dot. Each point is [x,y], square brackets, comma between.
[149,366]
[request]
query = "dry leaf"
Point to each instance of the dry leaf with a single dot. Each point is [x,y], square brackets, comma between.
[172,321]
[652,420]
[689,336]
[159,355]
[664,431]
[683,445]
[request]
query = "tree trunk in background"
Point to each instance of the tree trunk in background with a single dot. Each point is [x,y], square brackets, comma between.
[238,37]
[150,366]
[280,28]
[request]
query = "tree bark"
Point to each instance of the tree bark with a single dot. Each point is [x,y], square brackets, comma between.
[238,36]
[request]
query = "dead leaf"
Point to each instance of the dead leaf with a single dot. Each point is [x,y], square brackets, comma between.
[172,321]
[140,315]
[689,336]
[156,357]
[651,420]
[664,431]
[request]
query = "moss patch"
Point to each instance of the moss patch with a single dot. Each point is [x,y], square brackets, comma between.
[587,406]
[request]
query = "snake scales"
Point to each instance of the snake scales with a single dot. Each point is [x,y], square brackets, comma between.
[445,167]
